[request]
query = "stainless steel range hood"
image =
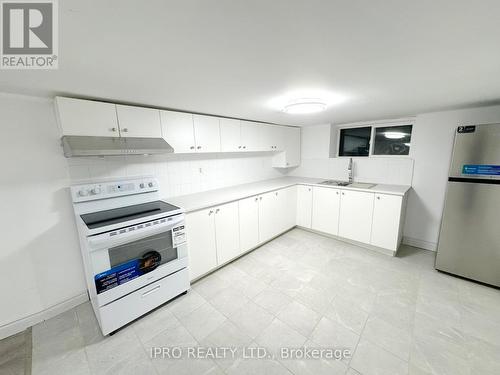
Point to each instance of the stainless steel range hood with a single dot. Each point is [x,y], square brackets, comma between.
[100,146]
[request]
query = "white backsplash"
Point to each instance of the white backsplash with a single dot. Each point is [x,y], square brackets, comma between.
[398,171]
[178,174]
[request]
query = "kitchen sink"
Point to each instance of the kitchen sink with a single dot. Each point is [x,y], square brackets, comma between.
[359,185]
[335,183]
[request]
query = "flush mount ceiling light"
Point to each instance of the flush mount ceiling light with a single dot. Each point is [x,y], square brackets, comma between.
[394,135]
[304,106]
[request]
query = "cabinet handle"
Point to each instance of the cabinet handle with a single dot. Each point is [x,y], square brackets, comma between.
[256,199]
[343,193]
[260,198]
[192,147]
[378,197]
[217,210]
[239,146]
[198,147]
[337,193]
[276,193]
[124,130]
[210,212]
[244,146]
[113,129]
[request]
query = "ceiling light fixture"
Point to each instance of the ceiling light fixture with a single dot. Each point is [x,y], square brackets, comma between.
[304,106]
[394,135]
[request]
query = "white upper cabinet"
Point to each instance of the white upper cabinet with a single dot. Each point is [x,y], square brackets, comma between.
[250,136]
[177,130]
[386,221]
[227,232]
[230,135]
[206,133]
[290,157]
[138,121]
[304,206]
[267,137]
[249,223]
[325,210]
[278,137]
[356,212]
[87,117]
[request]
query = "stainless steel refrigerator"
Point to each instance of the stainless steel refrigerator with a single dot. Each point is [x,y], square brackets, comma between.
[469,240]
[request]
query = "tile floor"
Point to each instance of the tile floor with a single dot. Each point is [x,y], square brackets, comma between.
[396,315]
[15,354]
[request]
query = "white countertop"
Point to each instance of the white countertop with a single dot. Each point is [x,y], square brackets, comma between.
[198,201]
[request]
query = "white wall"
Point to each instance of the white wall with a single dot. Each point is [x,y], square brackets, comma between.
[40,262]
[426,168]
[432,144]
[318,143]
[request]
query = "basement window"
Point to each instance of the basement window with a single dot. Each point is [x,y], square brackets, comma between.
[355,141]
[392,140]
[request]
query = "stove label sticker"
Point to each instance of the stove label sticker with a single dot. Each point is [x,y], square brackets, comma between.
[117,276]
[481,170]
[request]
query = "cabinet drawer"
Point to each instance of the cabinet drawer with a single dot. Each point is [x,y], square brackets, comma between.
[133,305]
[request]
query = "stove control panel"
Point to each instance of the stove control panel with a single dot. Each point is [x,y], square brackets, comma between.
[89,192]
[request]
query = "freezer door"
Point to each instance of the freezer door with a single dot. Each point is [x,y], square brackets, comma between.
[469,241]
[477,148]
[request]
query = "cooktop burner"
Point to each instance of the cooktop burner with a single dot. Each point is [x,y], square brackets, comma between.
[118,215]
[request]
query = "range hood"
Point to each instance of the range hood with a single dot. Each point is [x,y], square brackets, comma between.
[101,146]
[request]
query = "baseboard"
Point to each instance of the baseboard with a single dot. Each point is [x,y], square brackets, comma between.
[20,325]
[432,246]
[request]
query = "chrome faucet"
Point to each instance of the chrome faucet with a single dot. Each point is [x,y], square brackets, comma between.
[350,171]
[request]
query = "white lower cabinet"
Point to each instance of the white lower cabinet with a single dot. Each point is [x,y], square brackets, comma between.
[325,210]
[249,223]
[213,237]
[267,222]
[304,206]
[386,221]
[202,248]
[227,232]
[221,233]
[356,213]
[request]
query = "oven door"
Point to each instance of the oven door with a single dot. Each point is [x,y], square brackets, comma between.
[130,260]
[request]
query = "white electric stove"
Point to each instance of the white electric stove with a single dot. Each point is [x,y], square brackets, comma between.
[133,247]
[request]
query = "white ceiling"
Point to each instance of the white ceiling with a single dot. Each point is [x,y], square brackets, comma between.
[388,58]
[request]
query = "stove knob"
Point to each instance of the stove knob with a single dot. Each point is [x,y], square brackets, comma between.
[150,184]
[83,193]
[141,185]
[95,191]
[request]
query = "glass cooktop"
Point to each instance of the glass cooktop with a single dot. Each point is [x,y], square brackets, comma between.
[119,215]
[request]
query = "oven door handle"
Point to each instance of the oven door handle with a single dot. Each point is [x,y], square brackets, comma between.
[105,240]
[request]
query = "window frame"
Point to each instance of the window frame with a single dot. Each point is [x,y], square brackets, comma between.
[375,125]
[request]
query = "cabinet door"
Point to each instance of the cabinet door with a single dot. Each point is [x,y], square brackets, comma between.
[268,227]
[138,122]
[227,232]
[177,129]
[290,206]
[249,223]
[278,137]
[87,117]
[304,206]
[250,136]
[292,146]
[230,135]
[267,137]
[386,219]
[200,228]
[356,212]
[290,157]
[206,133]
[325,210]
